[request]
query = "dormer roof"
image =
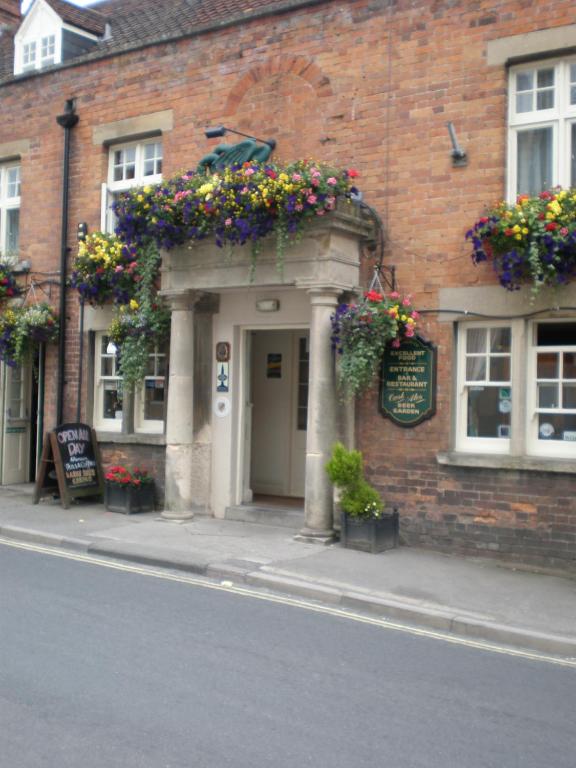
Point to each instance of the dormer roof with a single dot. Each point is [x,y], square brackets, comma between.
[82,18]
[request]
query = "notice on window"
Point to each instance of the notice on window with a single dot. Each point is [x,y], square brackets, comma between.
[273,366]
[408,382]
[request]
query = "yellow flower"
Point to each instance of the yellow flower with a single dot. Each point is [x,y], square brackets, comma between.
[516,228]
[525,230]
[134,304]
[518,237]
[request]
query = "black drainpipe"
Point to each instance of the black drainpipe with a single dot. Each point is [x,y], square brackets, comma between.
[68,120]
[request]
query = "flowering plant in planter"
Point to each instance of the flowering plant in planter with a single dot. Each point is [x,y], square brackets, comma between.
[105,268]
[9,288]
[121,475]
[128,491]
[23,327]
[346,470]
[361,332]
[240,204]
[530,241]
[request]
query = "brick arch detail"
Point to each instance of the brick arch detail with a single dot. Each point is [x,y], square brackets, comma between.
[300,66]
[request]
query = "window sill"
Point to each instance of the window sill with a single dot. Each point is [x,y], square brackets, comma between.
[138,438]
[522,463]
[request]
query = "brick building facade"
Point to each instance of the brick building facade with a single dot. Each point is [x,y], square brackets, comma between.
[357,83]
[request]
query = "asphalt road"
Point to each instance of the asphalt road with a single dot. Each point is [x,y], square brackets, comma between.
[102,668]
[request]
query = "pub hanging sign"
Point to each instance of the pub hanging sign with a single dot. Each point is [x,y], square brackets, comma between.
[408,382]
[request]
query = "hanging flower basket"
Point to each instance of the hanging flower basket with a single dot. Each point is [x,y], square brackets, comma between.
[21,328]
[530,242]
[105,269]
[362,331]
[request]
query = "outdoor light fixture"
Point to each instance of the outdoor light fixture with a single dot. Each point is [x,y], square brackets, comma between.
[111,349]
[459,157]
[221,130]
[268,305]
[81,231]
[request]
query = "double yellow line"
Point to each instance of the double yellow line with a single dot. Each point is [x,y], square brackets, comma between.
[230,587]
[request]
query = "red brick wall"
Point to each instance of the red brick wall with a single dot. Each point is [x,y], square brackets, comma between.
[362,84]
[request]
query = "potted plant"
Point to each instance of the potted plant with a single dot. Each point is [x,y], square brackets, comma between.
[365,525]
[531,241]
[361,332]
[128,491]
[21,328]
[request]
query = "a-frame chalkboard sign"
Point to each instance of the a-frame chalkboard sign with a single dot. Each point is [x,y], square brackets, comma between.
[70,465]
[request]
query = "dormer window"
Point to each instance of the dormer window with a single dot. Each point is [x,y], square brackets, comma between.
[53,32]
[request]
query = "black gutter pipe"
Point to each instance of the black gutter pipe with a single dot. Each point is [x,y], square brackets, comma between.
[67,121]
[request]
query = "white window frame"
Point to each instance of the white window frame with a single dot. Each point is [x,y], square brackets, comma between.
[560,118]
[111,188]
[110,425]
[464,442]
[536,446]
[8,203]
[141,424]
[48,42]
[524,440]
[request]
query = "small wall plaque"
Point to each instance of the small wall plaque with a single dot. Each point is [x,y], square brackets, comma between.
[223,352]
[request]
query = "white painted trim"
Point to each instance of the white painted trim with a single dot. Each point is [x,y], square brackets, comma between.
[81,32]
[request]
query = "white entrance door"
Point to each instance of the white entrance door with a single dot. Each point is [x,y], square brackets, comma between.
[279,412]
[16,437]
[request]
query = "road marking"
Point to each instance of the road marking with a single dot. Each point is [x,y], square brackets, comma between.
[228,586]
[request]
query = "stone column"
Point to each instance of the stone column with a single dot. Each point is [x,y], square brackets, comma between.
[187,476]
[322,421]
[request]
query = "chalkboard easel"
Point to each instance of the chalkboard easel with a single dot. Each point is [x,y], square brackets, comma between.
[70,465]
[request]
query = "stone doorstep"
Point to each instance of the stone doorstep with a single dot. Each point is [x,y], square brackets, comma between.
[280,517]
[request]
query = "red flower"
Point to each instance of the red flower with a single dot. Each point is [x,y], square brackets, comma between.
[269,172]
[373,296]
[483,220]
[551,226]
[353,173]
[508,232]
[541,216]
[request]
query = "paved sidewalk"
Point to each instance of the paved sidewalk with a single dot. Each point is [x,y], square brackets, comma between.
[470,597]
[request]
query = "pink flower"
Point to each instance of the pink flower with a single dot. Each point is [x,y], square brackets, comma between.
[119,268]
[406,301]
[396,343]
[394,295]
[564,231]
[312,199]
[299,207]
[296,177]
[315,182]
[315,173]
[331,181]
[248,171]
[330,203]
[409,331]
[245,190]
[415,315]
[228,222]
[320,212]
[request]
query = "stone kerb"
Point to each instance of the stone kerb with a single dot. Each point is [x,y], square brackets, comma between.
[327,254]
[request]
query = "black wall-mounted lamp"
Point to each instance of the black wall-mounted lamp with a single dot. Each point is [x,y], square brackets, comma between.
[81,231]
[221,130]
[459,156]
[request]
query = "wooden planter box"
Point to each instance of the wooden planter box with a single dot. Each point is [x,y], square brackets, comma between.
[129,499]
[370,535]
